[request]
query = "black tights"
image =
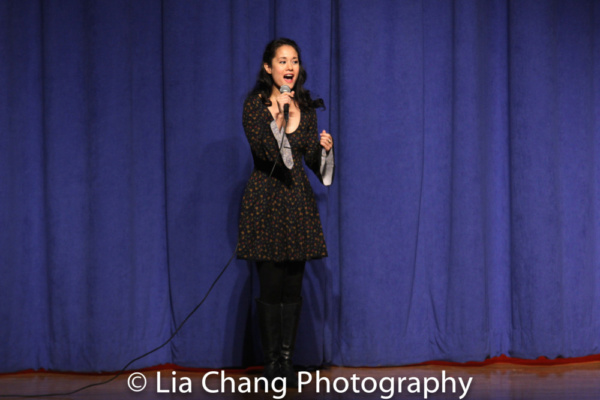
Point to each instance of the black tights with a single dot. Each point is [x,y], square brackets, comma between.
[280,282]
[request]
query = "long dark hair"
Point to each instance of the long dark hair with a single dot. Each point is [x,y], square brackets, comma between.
[264,82]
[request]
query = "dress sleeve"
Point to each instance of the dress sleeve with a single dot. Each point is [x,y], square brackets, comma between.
[264,140]
[321,162]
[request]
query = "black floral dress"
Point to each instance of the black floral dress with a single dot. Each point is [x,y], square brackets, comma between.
[279,219]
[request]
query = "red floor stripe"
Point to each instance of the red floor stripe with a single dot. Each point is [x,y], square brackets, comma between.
[522,361]
[495,360]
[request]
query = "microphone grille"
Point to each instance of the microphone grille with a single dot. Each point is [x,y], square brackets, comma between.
[285,89]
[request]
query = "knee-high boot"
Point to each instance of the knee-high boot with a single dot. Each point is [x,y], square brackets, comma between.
[290,315]
[269,321]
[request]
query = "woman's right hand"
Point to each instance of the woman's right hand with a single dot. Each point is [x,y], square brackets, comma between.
[283,99]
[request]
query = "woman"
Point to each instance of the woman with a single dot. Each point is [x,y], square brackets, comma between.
[280,227]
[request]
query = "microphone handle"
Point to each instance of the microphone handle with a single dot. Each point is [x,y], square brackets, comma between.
[286,112]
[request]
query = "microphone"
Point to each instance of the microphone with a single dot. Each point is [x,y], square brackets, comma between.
[286,107]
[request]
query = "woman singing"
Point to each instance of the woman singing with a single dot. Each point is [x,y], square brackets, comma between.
[280,227]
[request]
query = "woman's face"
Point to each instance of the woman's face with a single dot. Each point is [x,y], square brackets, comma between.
[285,67]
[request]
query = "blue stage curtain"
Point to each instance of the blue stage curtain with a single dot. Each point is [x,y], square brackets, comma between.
[463,222]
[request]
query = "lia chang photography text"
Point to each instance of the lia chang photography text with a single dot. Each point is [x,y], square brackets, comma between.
[217,382]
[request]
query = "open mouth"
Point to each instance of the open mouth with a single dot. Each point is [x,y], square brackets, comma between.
[288,78]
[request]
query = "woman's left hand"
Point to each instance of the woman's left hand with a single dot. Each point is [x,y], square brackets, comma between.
[326,140]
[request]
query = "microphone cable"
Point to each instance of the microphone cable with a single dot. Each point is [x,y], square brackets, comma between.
[185,320]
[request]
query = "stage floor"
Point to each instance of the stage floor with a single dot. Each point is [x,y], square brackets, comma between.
[491,382]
